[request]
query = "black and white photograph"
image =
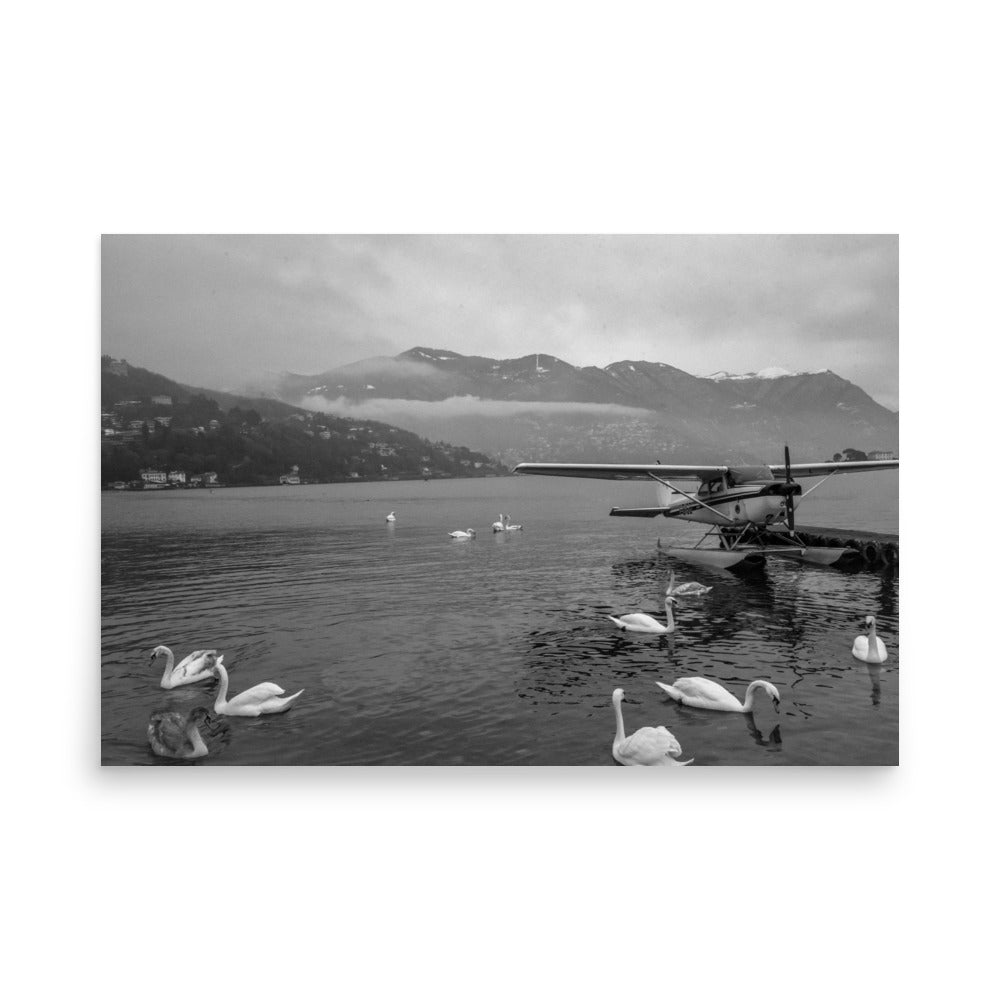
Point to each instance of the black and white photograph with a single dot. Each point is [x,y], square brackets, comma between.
[500,500]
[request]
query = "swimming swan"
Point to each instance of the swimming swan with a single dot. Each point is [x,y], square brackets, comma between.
[640,622]
[870,648]
[261,699]
[193,668]
[468,533]
[686,589]
[499,525]
[391,516]
[173,735]
[645,747]
[700,692]
[507,526]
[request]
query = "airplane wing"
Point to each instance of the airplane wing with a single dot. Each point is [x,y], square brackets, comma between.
[826,468]
[617,471]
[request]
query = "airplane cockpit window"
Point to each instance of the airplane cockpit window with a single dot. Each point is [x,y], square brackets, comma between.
[751,474]
[711,487]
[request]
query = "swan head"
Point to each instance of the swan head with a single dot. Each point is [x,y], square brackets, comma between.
[773,692]
[617,695]
[159,651]
[869,620]
[198,716]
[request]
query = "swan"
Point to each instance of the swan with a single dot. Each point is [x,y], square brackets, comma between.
[507,526]
[193,668]
[647,623]
[700,692]
[499,525]
[261,699]
[870,648]
[468,533]
[647,746]
[173,735]
[391,516]
[689,589]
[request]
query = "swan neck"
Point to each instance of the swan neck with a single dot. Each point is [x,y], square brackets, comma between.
[198,746]
[748,701]
[620,730]
[220,698]
[670,614]
[168,670]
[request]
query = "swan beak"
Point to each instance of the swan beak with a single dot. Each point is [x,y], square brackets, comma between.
[777,702]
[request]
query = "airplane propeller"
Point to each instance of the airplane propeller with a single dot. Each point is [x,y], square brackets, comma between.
[789,491]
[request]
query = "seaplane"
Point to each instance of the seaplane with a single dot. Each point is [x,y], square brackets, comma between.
[750,510]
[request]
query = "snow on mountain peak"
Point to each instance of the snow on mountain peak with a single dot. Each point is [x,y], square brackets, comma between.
[765,373]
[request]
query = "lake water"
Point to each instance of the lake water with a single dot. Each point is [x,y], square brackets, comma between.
[417,649]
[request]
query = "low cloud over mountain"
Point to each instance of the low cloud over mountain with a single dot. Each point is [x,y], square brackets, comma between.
[539,407]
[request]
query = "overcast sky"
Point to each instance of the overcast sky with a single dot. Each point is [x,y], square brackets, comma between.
[226,311]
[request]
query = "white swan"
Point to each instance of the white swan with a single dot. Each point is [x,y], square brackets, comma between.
[645,747]
[391,516]
[640,622]
[173,735]
[689,589]
[193,668]
[261,699]
[507,526]
[700,692]
[870,648]
[499,525]
[468,533]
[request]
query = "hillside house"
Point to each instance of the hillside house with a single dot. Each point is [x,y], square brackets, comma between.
[162,401]
[153,476]
[177,477]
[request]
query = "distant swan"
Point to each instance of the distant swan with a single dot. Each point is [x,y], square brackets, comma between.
[645,747]
[640,622]
[193,668]
[391,516]
[261,699]
[507,526]
[686,589]
[173,735]
[499,525]
[468,533]
[700,692]
[870,648]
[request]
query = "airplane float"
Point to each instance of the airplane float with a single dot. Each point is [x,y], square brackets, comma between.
[748,509]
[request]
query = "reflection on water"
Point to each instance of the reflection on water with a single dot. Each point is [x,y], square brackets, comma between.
[414,649]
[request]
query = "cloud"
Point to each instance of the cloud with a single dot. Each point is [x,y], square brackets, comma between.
[403,411]
[220,309]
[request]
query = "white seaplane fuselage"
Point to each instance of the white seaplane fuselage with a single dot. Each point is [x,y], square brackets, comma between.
[724,504]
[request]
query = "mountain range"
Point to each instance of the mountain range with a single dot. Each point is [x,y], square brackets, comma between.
[538,407]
